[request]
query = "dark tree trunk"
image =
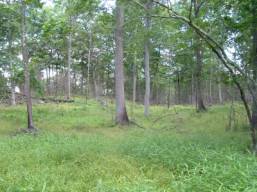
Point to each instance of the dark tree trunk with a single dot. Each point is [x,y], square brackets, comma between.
[121,113]
[198,75]
[147,61]
[25,60]
[199,64]
[178,89]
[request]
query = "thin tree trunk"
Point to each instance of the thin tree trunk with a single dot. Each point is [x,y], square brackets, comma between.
[121,112]
[13,97]
[13,101]
[178,89]
[25,60]
[134,79]
[210,87]
[169,93]
[192,89]
[95,80]
[220,91]
[56,80]
[147,61]
[89,63]
[69,48]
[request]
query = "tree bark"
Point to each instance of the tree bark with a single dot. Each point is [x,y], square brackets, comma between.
[69,48]
[89,63]
[220,91]
[95,81]
[25,61]
[198,76]
[254,68]
[13,100]
[178,89]
[192,88]
[134,79]
[121,112]
[199,65]
[169,93]
[13,97]
[210,88]
[148,6]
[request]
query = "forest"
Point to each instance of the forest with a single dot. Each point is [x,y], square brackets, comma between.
[128,95]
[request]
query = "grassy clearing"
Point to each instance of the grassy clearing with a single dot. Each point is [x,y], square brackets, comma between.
[80,149]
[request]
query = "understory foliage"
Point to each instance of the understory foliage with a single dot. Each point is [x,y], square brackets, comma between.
[175,150]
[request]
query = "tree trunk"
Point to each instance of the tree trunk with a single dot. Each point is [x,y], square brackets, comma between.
[13,98]
[254,68]
[178,89]
[134,84]
[69,47]
[199,63]
[192,88]
[134,79]
[147,61]
[25,60]
[198,75]
[169,93]
[95,81]
[89,63]
[121,113]
[210,88]
[220,91]
[13,101]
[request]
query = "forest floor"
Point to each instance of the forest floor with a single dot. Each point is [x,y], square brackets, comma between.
[79,148]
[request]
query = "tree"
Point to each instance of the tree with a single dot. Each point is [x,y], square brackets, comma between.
[25,60]
[69,58]
[147,59]
[199,62]
[121,112]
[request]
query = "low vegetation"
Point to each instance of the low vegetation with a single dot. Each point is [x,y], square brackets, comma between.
[78,148]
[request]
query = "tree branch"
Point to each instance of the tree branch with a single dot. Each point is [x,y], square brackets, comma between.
[190,10]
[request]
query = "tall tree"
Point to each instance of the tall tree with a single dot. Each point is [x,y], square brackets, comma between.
[253,11]
[25,60]
[148,6]
[199,63]
[69,58]
[121,112]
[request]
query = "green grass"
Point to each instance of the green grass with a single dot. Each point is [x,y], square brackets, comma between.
[80,149]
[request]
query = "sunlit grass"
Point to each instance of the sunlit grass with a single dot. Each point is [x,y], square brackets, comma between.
[79,148]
